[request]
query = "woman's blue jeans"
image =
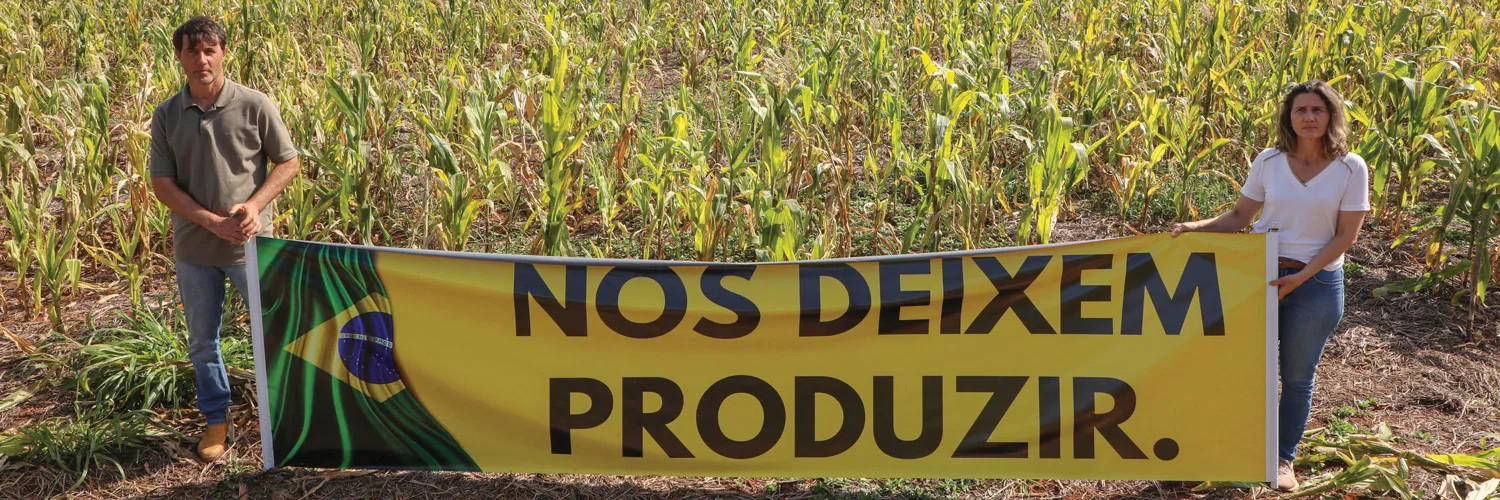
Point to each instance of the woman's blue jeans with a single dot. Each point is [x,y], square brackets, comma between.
[1308,317]
[202,290]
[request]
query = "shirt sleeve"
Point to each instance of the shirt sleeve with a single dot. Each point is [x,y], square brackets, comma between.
[275,141]
[1255,184]
[162,162]
[1357,190]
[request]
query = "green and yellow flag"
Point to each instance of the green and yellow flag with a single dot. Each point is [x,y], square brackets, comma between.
[1133,358]
[333,394]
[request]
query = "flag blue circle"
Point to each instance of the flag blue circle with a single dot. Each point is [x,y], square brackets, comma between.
[365,346]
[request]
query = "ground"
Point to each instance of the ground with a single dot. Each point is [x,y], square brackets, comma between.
[1412,361]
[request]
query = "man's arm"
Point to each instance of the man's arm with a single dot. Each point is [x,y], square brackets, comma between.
[182,204]
[276,181]
[276,143]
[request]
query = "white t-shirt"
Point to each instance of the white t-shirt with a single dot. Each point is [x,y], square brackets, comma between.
[1307,214]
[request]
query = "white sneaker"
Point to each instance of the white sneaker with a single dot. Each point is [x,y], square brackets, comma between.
[1286,477]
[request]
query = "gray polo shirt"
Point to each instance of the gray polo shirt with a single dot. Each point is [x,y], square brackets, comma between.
[218,156]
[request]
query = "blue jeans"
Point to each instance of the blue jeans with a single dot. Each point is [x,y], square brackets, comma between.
[1308,317]
[202,291]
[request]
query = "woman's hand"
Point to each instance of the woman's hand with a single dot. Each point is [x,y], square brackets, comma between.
[1286,284]
[1183,227]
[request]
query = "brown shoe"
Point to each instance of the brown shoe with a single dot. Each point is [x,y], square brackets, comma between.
[214,443]
[1286,476]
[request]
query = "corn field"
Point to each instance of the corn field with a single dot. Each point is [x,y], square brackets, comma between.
[740,131]
[737,130]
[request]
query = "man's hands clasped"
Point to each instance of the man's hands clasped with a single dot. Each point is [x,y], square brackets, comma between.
[242,223]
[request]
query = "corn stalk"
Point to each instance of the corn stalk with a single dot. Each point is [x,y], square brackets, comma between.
[562,135]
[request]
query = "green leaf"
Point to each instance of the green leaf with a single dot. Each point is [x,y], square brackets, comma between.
[1424,281]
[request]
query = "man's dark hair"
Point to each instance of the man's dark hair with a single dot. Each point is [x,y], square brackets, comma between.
[198,29]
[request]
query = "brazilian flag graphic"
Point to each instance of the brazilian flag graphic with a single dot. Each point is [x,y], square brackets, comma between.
[330,332]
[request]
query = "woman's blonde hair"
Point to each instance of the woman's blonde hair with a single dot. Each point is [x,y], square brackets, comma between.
[1335,139]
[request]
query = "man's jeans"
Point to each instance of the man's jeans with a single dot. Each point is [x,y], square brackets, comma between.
[202,290]
[1308,317]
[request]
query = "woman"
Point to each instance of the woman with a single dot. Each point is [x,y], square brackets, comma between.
[1315,193]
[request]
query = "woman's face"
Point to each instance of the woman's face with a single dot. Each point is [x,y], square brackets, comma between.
[1309,116]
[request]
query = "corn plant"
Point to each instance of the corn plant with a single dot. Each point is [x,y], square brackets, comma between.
[779,223]
[655,198]
[458,207]
[93,138]
[1184,144]
[943,168]
[606,190]
[12,141]
[562,135]
[485,118]
[57,267]
[1134,176]
[1475,193]
[1411,104]
[301,218]
[768,131]
[130,222]
[24,220]
[708,212]
[1474,199]
[361,115]
[781,229]
[1055,164]
[131,236]
[626,70]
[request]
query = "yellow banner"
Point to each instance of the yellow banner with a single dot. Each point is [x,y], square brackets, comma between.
[1135,358]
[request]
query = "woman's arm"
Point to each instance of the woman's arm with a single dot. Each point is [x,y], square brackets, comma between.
[1234,220]
[1343,238]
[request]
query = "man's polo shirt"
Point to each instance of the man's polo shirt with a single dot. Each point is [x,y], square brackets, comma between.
[219,157]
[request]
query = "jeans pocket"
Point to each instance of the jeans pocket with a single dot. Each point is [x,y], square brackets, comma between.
[1334,277]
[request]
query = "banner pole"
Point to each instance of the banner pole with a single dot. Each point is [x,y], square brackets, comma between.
[258,341]
[1273,364]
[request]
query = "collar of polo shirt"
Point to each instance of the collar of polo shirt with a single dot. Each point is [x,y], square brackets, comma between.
[185,97]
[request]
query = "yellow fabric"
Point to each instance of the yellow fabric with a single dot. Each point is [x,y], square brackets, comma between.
[1200,399]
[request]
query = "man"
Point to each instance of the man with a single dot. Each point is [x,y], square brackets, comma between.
[210,145]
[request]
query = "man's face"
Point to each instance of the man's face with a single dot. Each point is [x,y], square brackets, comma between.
[202,61]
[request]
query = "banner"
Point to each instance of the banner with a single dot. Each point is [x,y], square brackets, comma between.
[1135,358]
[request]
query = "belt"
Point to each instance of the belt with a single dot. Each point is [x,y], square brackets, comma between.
[1285,263]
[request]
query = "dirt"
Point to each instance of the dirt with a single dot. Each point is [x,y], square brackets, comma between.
[1414,362]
